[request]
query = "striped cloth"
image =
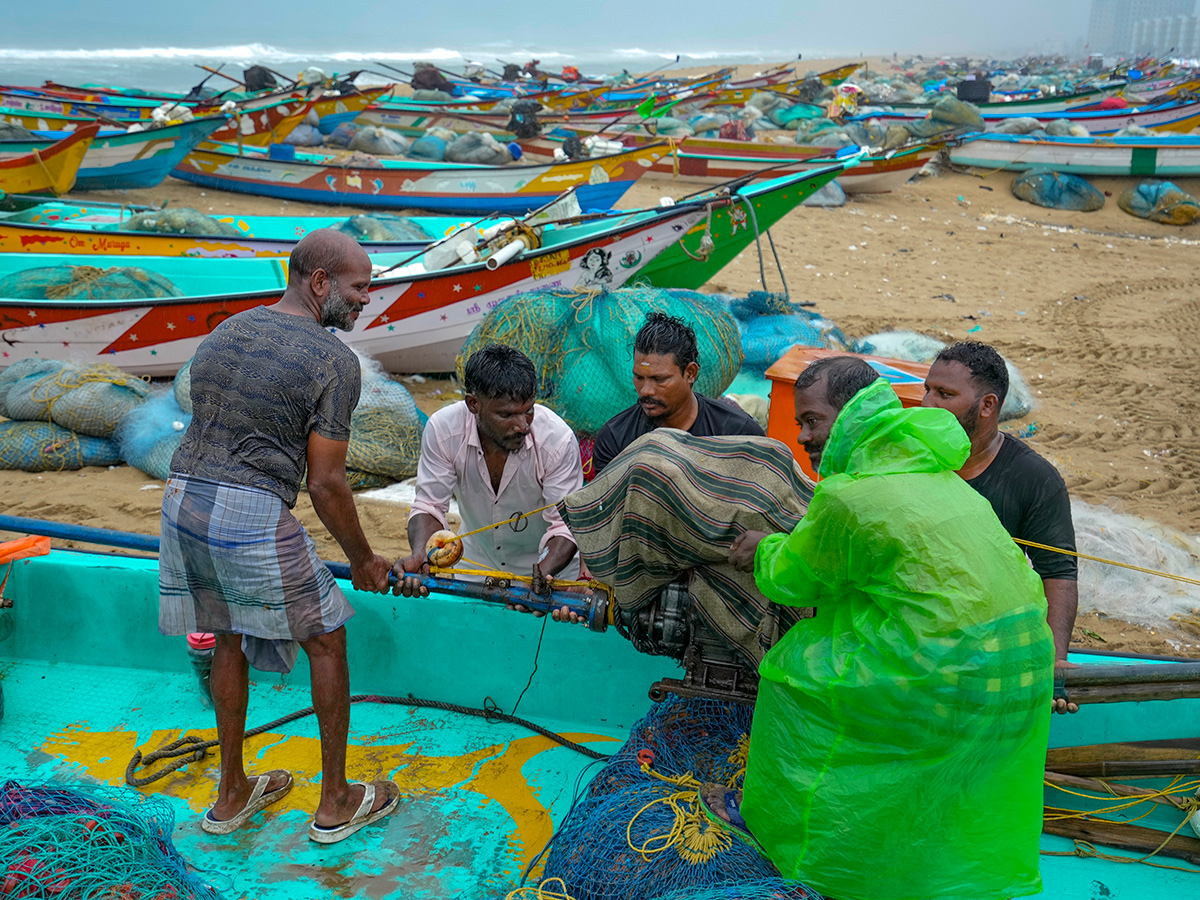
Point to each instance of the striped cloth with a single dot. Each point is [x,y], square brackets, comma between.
[234,560]
[672,502]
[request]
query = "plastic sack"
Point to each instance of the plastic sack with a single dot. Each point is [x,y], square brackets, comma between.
[1060,128]
[480,148]
[771,326]
[668,126]
[432,96]
[429,148]
[89,399]
[1053,190]
[179,220]
[343,134]
[936,628]
[706,122]
[831,195]
[1160,201]
[304,135]
[379,142]
[86,283]
[1019,125]
[43,447]
[149,435]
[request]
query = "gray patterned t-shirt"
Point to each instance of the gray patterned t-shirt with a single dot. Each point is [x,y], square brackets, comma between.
[261,382]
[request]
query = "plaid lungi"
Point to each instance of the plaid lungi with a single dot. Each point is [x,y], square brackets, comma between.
[672,502]
[234,560]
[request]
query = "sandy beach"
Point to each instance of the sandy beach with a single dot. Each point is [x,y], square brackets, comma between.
[1099,311]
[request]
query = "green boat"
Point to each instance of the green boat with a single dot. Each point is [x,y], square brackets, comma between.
[88,680]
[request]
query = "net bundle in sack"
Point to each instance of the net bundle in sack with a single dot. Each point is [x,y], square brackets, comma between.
[148,436]
[87,398]
[385,431]
[59,841]
[44,447]
[581,344]
[179,220]
[86,283]
[639,832]
[771,326]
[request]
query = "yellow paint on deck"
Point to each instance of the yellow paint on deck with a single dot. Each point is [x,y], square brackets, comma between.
[494,772]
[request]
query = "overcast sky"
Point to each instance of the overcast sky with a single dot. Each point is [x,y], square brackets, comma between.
[808,26]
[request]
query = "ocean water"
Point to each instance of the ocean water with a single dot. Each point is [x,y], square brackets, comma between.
[176,68]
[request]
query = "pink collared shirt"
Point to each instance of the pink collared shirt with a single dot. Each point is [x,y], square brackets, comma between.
[542,472]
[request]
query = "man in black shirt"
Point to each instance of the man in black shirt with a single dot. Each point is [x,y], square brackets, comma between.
[665,367]
[1028,494]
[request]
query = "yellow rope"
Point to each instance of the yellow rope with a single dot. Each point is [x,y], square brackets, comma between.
[510,521]
[1084,849]
[1111,562]
[541,891]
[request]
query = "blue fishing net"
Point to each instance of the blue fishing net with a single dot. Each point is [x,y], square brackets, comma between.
[581,344]
[149,435]
[1056,190]
[43,447]
[771,326]
[615,844]
[91,841]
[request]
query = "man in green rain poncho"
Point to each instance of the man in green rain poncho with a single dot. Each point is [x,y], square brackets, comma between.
[900,735]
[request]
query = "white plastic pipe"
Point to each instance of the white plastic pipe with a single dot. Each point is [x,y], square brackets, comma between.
[506,253]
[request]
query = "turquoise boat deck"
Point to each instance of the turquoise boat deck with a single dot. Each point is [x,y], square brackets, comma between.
[87,679]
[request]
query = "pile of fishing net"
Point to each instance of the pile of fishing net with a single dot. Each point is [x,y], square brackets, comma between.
[1160,201]
[771,325]
[86,283]
[1056,190]
[920,348]
[148,436]
[91,841]
[581,343]
[383,227]
[183,220]
[64,414]
[639,832]
[385,431]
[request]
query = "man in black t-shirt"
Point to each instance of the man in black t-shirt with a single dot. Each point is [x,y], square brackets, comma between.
[1028,494]
[665,367]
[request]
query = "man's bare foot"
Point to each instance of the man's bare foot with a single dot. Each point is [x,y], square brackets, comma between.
[330,814]
[232,799]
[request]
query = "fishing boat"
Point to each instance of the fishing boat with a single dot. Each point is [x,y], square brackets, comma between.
[419,312]
[410,184]
[52,168]
[1035,106]
[834,77]
[88,681]
[1165,156]
[1175,116]
[118,160]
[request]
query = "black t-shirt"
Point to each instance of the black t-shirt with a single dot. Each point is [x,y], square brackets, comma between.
[713,418]
[1031,501]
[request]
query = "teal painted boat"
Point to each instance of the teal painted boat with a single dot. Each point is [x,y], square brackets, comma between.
[87,680]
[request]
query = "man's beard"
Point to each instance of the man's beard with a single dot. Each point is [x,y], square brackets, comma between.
[337,311]
[970,419]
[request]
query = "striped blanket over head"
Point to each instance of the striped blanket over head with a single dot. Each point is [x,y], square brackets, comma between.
[673,502]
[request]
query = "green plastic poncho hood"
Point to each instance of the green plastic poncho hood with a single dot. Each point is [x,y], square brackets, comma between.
[900,734]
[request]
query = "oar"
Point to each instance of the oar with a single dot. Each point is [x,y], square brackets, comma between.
[219,72]
[399,72]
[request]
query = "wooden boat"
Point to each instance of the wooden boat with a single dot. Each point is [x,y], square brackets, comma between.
[416,319]
[33,225]
[834,77]
[1166,156]
[1173,116]
[117,160]
[408,184]
[50,169]
[1036,105]
[714,160]
[481,797]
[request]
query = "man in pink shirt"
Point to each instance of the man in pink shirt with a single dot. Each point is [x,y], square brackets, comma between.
[500,455]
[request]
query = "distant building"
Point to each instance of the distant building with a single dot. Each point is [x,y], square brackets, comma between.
[1177,35]
[1111,27]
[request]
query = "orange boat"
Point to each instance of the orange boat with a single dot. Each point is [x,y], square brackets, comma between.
[907,380]
[52,169]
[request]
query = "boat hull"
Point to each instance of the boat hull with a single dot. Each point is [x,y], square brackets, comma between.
[512,189]
[1144,157]
[53,168]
